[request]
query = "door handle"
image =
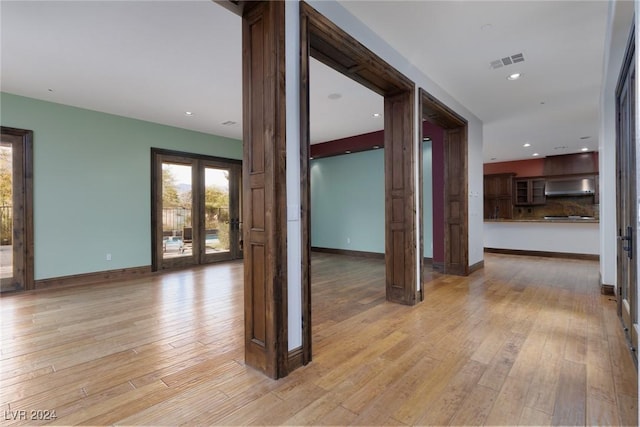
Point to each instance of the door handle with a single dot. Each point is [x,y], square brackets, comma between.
[628,238]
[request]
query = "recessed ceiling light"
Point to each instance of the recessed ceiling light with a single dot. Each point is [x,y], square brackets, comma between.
[535,154]
[188,113]
[376,114]
[585,149]
[310,158]
[514,76]
[334,96]
[348,151]
[375,147]
[526,144]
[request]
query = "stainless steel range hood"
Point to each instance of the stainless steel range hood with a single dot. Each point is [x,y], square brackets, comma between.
[570,187]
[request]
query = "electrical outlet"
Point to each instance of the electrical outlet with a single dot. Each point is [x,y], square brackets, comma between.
[108,257]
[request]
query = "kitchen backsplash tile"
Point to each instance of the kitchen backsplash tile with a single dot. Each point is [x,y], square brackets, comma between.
[558,206]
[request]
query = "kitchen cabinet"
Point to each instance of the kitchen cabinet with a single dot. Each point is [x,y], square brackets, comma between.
[569,164]
[498,185]
[498,196]
[529,191]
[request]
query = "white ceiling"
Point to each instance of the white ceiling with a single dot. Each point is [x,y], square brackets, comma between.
[154,60]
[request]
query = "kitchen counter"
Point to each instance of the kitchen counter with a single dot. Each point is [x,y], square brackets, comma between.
[572,236]
[562,221]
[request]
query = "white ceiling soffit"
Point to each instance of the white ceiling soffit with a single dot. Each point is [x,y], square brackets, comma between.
[554,103]
[154,61]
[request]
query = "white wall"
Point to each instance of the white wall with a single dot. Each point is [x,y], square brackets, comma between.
[341,17]
[569,237]
[618,27]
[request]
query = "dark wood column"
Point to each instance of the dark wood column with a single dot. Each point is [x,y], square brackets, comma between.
[455,210]
[456,230]
[264,188]
[400,198]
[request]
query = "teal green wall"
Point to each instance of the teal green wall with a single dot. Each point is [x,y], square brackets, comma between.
[347,202]
[92,183]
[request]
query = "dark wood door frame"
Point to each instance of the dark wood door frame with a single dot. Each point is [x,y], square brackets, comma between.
[23,201]
[265,205]
[322,39]
[626,194]
[456,233]
[264,187]
[196,161]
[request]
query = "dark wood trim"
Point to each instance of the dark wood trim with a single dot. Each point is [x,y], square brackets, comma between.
[361,254]
[400,198]
[328,43]
[438,266]
[456,232]
[607,289]
[477,266]
[427,261]
[334,47]
[26,201]
[93,278]
[568,255]
[264,187]
[235,6]
[420,206]
[353,144]
[176,153]
[295,359]
[305,189]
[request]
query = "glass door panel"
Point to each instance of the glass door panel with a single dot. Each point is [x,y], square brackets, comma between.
[177,211]
[196,209]
[6,211]
[216,210]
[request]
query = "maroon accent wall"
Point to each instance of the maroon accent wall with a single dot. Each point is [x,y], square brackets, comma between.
[530,167]
[527,168]
[356,143]
[436,134]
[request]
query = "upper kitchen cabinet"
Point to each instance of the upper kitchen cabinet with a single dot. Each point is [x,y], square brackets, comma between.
[498,185]
[529,191]
[571,164]
[498,196]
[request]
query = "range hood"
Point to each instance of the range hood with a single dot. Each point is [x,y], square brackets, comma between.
[570,187]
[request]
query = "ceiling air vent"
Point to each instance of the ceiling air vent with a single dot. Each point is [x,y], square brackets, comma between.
[507,60]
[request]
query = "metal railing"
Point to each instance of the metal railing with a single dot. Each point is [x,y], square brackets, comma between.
[6,225]
[179,218]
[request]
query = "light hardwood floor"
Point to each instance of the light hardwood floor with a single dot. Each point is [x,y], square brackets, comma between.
[525,341]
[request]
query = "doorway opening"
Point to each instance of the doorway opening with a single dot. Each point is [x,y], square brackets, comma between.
[455,248]
[347,190]
[16,210]
[626,193]
[196,209]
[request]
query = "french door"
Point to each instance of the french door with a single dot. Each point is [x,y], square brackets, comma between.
[16,210]
[196,210]
[626,190]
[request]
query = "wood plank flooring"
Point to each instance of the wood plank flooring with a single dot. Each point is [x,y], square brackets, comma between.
[525,341]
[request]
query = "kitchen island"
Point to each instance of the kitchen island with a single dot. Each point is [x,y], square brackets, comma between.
[573,237]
